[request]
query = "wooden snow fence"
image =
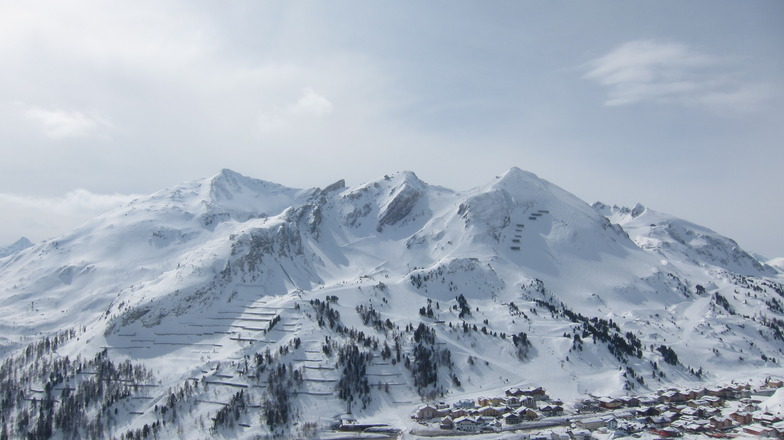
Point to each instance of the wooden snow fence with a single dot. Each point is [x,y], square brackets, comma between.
[311,393]
[317,367]
[211,401]
[188,344]
[225,384]
[240,319]
[305,379]
[245,339]
[250,329]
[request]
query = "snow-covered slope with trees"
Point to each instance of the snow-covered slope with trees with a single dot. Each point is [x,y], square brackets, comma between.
[234,306]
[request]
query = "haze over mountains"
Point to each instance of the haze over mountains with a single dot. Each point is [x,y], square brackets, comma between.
[379,296]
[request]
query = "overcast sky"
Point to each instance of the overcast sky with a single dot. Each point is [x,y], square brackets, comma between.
[677,105]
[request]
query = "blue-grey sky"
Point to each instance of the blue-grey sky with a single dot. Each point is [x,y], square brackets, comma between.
[677,105]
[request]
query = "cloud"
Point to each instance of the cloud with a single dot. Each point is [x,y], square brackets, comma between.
[311,103]
[43,217]
[308,107]
[62,124]
[672,72]
[75,201]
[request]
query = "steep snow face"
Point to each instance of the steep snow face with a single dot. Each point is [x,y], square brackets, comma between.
[19,245]
[681,240]
[243,197]
[173,241]
[777,263]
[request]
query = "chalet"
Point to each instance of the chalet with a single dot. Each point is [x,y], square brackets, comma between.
[714,401]
[747,406]
[459,413]
[691,412]
[609,403]
[670,415]
[427,412]
[667,432]
[699,403]
[511,418]
[489,401]
[513,402]
[693,426]
[658,421]
[592,423]
[691,394]
[625,427]
[630,401]
[775,383]
[765,418]
[671,396]
[465,404]
[759,430]
[466,424]
[527,414]
[491,411]
[514,392]
[528,402]
[625,415]
[447,423]
[723,392]
[721,423]
[709,412]
[648,401]
[587,406]
[662,408]
[779,428]
[761,393]
[649,411]
[551,410]
[741,417]
[537,393]
[484,420]
[581,434]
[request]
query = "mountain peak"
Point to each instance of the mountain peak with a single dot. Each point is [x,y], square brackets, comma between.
[638,210]
[516,180]
[236,192]
[515,174]
[406,177]
[226,182]
[18,245]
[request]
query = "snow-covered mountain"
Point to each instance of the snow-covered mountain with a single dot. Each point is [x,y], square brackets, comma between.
[377,297]
[18,245]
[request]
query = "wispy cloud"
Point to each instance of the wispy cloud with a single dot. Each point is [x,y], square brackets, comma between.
[75,201]
[309,106]
[40,217]
[672,72]
[64,124]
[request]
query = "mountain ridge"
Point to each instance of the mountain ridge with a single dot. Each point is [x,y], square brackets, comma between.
[213,273]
